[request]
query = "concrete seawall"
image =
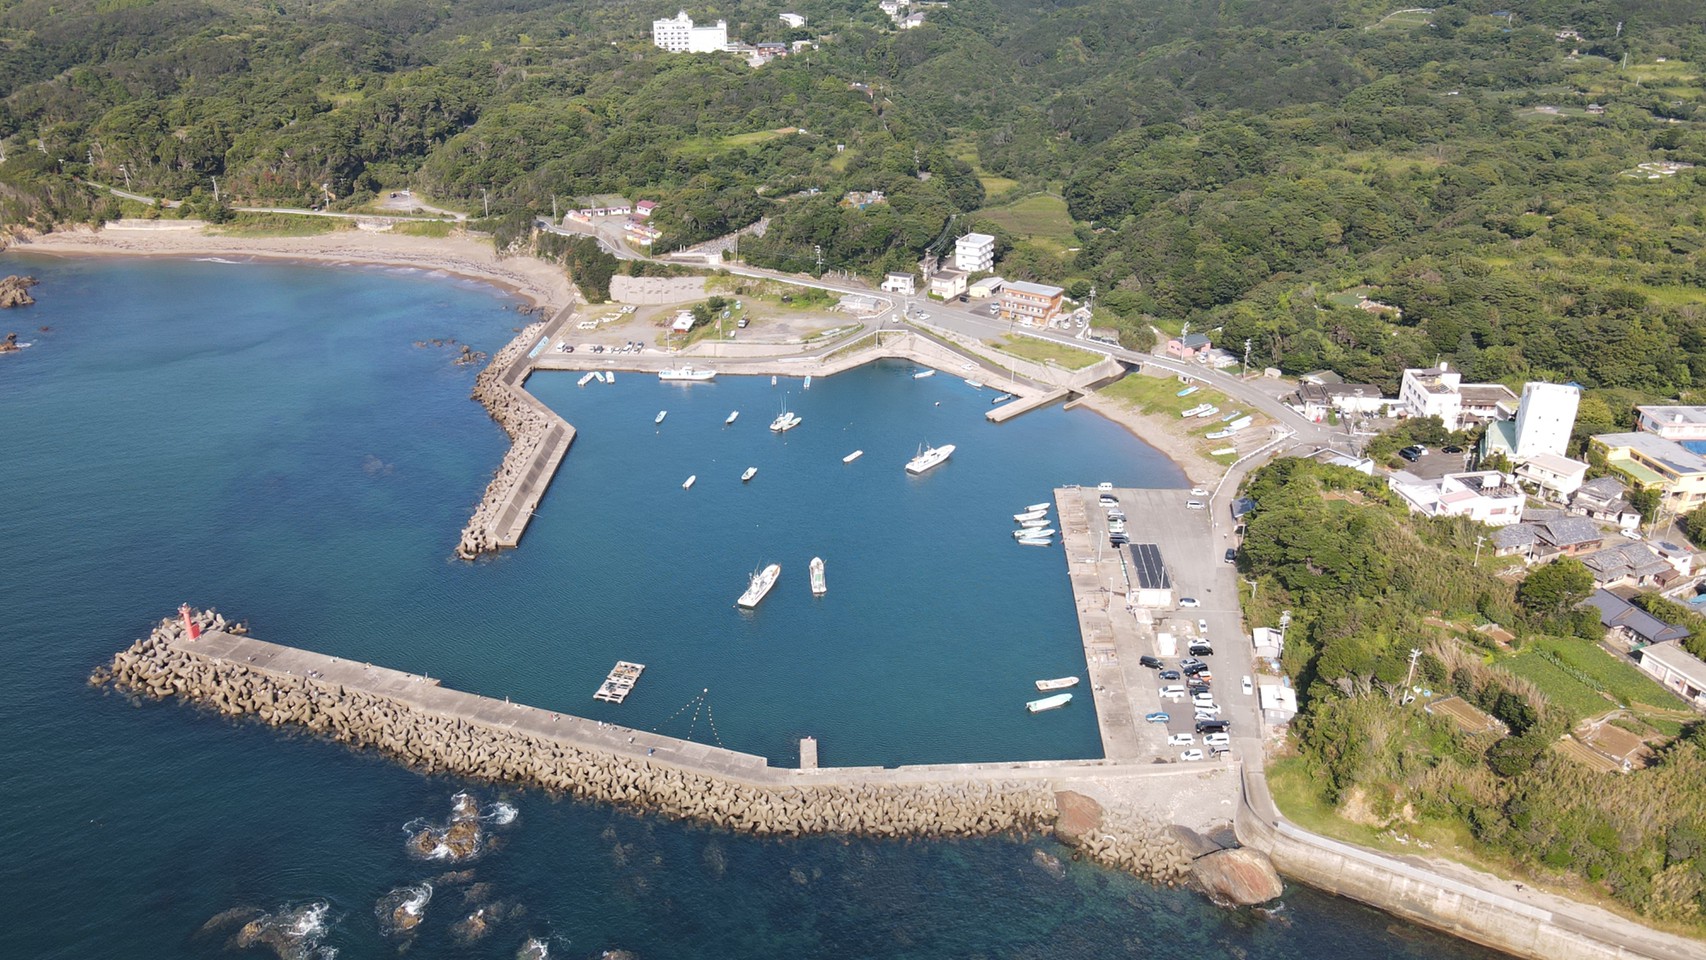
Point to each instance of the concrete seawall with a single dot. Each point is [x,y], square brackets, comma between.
[1562,931]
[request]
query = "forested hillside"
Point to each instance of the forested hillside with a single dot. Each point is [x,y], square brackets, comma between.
[1238,165]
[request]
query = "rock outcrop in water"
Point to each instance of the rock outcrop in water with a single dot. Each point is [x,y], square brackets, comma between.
[1241,876]
[15,291]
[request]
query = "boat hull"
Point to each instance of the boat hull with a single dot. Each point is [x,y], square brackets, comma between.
[820,586]
[1059,683]
[1049,703]
[853,456]
[760,587]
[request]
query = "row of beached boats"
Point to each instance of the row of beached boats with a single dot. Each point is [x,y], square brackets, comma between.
[1034,526]
[764,580]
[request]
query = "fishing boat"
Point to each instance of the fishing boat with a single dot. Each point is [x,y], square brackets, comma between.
[975,384]
[599,375]
[1001,399]
[586,378]
[853,456]
[1030,514]
[820,586]
[731,419]
[1059,683]
[1038,506]
[689,481]
[808,381]
[759,587]
[1035,542]
[929,457]
[1033,533]
[1211,411]
[1187,391]
[920,375]
[1038,522]
[749,473]
[660,416]
[1232,416]
[1240,423]
[773,380]
[686,374]
[1199,408]
[784,421]
[1219,434]
[1049,703]
[609,376]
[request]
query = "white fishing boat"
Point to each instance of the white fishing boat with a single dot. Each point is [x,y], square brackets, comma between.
[599,375]
[975,384]
[749,473]
[820,586]
[1033,533]
[853,456]
[1211,411]
[759,587]
[689,481]
[920,375]
[686,374]
[1059,683]
[610,376]
[586,378]
[1199,408]
[1186,392]
[1038,522]
[784,421]
[660,416]
[1032,514]
[1232,416]
[1049,703]
[1035,542]
[929,457]
[1003,398]
[773,380]
[808,381]
[1219,434]
[1038,506]
[731,418]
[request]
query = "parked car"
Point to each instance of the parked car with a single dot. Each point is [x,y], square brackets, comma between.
[1199,492]
[1231,555]
[1173,693]
[1188,602]
[1168,674]
[1189,662]
[1217,739]
[1189,755]
[1153,663]
[1202,650]
[1181,740]
[1214,726]
[743,322]
[1194,505]
[1248,688]
[1203,699]
[1156,717]
[1412,454]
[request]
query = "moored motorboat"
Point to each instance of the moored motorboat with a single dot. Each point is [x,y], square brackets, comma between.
[975,384]
[784,421]
[820,586]
[731,418]
[920,375]
[749,474]
[1058,683]
[808,384]
[929,457]
[1035,522]
[1003,398]
[586,378]
[689,481]
[1038,506]
[853,456]
[1049,703]
[773,380]
[1035,542]
[1033,533]
[686,373]
[609,376]
[759,586]
[1035,513]
[661,415]
[600,376]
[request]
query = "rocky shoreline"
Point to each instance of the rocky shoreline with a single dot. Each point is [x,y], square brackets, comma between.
[525,422]
[155,668]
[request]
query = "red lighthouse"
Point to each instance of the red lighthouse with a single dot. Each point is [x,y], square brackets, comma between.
[193,628]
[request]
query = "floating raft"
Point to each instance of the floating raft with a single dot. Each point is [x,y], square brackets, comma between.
[620,683]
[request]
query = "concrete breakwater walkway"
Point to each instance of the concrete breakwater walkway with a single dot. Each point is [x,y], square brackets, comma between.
[438,730]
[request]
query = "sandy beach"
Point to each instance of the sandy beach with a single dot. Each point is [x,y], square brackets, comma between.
[546,285]
[1163,434]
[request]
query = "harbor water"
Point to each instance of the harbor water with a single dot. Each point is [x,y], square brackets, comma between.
[287,443]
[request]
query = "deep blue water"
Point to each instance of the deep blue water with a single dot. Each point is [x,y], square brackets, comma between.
[267,439]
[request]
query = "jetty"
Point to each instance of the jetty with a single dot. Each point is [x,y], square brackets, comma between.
[620,682]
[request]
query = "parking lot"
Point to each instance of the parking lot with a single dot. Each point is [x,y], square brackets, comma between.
[1119,631]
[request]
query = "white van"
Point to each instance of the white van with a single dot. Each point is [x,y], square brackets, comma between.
[1173,693]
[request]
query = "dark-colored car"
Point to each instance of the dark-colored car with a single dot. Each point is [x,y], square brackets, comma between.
[1195,668]
[1214,726]
[1412,453]
[1231,555]
[1152,663]
[1169,674]
[1201,650]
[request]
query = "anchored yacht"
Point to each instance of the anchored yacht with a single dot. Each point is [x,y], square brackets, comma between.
[929,457]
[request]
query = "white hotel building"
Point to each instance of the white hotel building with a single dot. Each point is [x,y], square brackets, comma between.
[679,35]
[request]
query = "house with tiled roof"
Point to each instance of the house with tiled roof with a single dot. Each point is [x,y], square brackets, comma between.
[1602,499]
[1633,564]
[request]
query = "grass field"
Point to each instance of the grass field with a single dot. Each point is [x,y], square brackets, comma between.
[706,146]
[1040,218]
[1587,681]
[279,225]
[1044,351]
[429,228]
[1158,396]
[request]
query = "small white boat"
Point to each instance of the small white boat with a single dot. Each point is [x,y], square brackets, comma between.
[1034,513]
[808,381]
[1199,408]
[1186,392]
[661,415]
[1001,399]
[1038,506]
[759,587]
[1038,522]
[748,474]
[1059,683]
[929,457]
[819,585]
[600,376]
[610,376]
[853,456]
[1219,434]
[784,422]
[731,419]
[1232,416]
[920,375]
[686,374]
[1211,411]
[976,384]
[1035,542]
[689,481]
[773,380]
[1033,533]
[1049,703]
[586,378]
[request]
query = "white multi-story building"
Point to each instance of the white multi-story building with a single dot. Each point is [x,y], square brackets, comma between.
[902,283]
[974,253]
[1489,497]
[679,35]
[1673,423]
[1545,418]
[793,20]
[1430,392]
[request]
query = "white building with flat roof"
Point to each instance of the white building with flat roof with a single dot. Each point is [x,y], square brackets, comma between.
[1486,496]
[1544,419]
[679,35]
[974,253]
[1431,392]
[793,20]
[901,283]
[1673,423]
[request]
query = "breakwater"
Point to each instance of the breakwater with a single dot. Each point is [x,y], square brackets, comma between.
[538,441]
[438,730]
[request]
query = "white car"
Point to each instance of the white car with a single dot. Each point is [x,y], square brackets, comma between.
[1216,739]
[1181,740]
[1173,693]
[1187,602]
[1206,713]
[1198,492]
[1202,626]
[1191,755]
[1204,701]
[1194,504]
[1248,688]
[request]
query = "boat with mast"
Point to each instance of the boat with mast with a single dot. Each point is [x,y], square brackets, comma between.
[819,585]
[786,420]
[929,457]
[686,373]
[759,586]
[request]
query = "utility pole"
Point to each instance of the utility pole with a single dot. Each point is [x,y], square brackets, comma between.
[1246,356]
[215,188]
[553,211]
[1478,541]
[121,169]
[1410,674]
[817,252]
[487,199]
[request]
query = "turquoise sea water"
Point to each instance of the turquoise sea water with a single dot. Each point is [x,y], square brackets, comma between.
[267,439]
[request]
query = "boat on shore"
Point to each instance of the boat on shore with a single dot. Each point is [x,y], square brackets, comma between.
[1187,391]
[1033,533]
[586,378]
[929,457]
[686,374]
[1059,683]
[731,418]
[1049,703]
[1211,411]
[920,375]
[819,585]
[661,415]
[853,456]
[1199,408]
[689,481]
[749,474]
[759,587]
